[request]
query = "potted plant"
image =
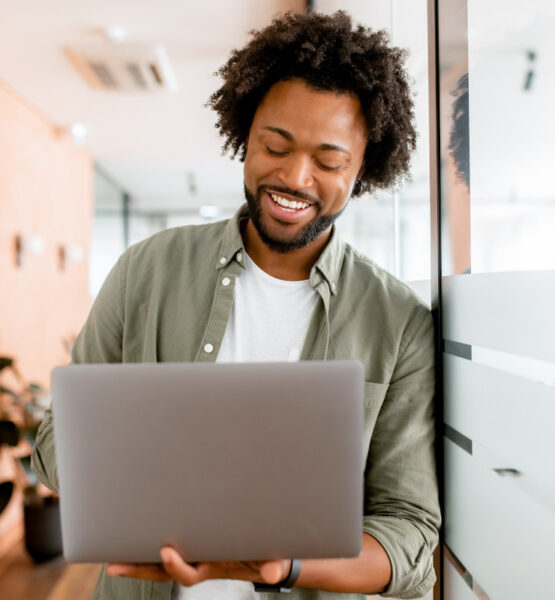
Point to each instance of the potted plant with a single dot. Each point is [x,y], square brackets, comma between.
[21,411]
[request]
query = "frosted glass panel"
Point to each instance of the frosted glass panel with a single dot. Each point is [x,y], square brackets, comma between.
[511,312]
[504,538]
[454,586]
[530,368]
[496,92]
[509,419]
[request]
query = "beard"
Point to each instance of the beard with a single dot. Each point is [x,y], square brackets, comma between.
[307,234]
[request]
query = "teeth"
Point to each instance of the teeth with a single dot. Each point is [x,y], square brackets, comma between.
[290,205]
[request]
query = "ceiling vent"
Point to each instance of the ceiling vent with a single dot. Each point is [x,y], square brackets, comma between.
[124,67]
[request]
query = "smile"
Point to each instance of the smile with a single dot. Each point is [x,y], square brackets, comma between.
[288,205]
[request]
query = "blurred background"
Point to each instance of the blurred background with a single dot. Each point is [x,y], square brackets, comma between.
[105,140]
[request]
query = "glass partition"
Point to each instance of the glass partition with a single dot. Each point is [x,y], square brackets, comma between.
[495,92]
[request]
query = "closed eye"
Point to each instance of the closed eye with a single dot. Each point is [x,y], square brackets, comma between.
[328,168]
[274,152]
[322,166]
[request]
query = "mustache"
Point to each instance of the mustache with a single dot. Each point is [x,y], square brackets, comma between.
[289,192]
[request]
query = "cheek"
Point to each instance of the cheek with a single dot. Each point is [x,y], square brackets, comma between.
[338,190]
[257,166]
[249,170]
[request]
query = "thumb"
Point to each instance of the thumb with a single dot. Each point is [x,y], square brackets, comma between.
[273,571]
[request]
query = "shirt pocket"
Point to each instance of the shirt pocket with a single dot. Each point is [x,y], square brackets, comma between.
[374,395]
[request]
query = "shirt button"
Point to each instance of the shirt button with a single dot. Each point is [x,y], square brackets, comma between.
[226,281]
[239,256]
[223,260]
[208,348]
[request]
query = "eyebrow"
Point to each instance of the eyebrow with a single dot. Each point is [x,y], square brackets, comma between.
[289,137]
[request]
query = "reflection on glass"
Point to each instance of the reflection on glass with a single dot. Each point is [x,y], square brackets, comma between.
[497,92]
[512,94]
[454,146]
[457,167]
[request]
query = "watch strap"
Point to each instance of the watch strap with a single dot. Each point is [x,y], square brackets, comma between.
[286,584]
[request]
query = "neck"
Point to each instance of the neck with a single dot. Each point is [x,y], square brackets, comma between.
[292,266]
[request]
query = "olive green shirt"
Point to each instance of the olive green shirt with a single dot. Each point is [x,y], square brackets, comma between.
[164,301]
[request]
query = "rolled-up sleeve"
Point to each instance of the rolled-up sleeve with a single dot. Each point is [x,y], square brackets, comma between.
[401,496]
[100,340]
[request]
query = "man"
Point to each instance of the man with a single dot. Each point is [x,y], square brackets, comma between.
[319,113]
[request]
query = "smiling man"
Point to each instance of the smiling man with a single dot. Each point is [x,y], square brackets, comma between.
[305,150]
[319,112]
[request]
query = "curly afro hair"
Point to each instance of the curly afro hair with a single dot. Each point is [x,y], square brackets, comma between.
[328,54]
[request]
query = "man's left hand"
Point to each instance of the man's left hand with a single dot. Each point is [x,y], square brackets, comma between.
[174,568]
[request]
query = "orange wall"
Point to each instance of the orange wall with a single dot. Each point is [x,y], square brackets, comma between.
[46,189]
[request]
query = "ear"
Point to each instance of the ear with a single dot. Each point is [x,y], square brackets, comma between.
[246,143]
[361,171]
[358,185]
[243,151]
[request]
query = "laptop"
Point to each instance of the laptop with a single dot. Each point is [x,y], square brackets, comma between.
[246,461]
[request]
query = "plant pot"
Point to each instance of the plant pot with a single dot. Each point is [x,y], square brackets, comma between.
[6,490]
[43,534]
[9,434]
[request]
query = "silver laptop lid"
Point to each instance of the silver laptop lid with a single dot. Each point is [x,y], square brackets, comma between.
[221,461]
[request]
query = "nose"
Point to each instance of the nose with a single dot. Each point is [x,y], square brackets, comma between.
[296,172]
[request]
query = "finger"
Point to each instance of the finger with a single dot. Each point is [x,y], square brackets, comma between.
[181,571]
[272,571]
[150,572]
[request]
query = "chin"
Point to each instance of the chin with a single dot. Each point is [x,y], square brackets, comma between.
[303,234]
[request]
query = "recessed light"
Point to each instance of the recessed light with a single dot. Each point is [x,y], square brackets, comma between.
[115,33]
[79,133]
[209,211]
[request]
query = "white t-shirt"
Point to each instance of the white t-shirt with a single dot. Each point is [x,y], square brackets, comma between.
[269,321]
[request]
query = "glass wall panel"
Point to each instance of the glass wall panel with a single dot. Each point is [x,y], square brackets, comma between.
[504,538]
[511,54]
[506,432]
[496,89]
[107,241]
[510,312]
[455,587]
[368,225]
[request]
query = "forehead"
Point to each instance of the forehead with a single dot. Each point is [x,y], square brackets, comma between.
[302,110]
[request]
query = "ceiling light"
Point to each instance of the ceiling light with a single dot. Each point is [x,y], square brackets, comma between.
[114,33]
[79,133]
[209,211]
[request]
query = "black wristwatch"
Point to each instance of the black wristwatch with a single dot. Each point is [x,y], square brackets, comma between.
[286,584]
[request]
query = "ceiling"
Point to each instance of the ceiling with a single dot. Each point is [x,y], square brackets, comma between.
[156,145]
[152,144]
[148,142]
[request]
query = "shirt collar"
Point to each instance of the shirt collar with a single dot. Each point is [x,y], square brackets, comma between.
[232,243]
[327,266]
[330,261]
